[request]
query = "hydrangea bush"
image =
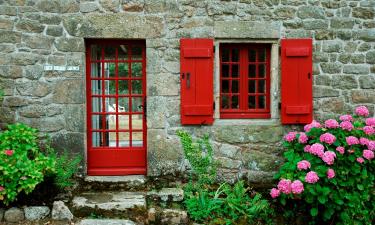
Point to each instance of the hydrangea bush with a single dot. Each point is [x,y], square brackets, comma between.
[329,169]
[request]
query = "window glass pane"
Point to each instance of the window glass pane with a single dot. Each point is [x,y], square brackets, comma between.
[252,55]
[262,101]
[235,55]
[96,87]
[252,70]
[109,53]
[262,55]
[235,87]
[123,87]
[123,122]
[224,102]
[225,55]
[112,139]
[123,70]
[137,104]
[123,139]
[136,53]
[261,86]
[111,121]
[110,86]
[235,103]
[95,52]
[96,105]
[225,86]
[137,139]
[123,104]
[262,70]
[251,102]
[96,121]
[235,71]
[110,104]
[110,70]
[136,86]
[137,122]
[97,139]
[252,86]
[96,70]
[225,70]
[123,52]
[137,69]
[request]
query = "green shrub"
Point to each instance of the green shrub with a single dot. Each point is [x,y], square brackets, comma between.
[222,205]
[22,164]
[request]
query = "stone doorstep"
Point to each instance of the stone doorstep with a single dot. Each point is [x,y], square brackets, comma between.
[136,179]
[114,183]
[105,222]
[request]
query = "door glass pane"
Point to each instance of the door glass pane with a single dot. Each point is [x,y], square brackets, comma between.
[137,122]
[97,139]
[124,139]
[261,86]
[224,102]
[235,55]
[111,121]
[123,70]
[252,55]
[235,71]
[235,104]
[96,122]
[137,69]
[262,70]
[103,139]
[96,104]
[137,139]
[112,139]
[262,55]
[225,55]
[123,87]
[123,104]
[262,102]
[123,52]
[123,122]
[110,87]
[225,70]
[96,87]
[96,70]
[96,52]
[136,53]
[136,86]
[137,104]
[110,70]
[251,102]
[225,86]
[252,86]
[110,104]
[235,87]
[109,53]
[252,70]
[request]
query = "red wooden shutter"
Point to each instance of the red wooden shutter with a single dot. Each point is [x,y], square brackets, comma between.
[296,81]
[196,81]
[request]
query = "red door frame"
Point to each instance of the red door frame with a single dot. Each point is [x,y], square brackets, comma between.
[116,160]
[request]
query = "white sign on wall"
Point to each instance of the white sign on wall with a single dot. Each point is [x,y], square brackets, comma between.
[60,68]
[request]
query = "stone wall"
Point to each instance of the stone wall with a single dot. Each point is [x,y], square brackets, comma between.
[38,32]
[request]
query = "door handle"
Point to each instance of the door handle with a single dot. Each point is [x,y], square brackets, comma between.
[187,80]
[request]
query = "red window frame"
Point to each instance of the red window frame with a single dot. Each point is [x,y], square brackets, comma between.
[236,82]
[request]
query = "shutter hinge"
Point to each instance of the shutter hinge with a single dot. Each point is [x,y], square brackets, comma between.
[279,105]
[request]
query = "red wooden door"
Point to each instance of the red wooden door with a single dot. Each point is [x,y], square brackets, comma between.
[116,104]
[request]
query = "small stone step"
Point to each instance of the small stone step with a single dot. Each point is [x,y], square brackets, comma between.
[130,205]
[124,183]
[167,195]
[105,222]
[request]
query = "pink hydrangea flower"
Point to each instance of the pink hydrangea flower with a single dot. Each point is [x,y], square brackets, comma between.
[297,187]
[351,140]
[2,188]
[360,160]
[311,177]
[303,165]
[329,157]
[346,118]
[341,150]
[363,141]
[307,148]
[370,121]
[330,173]
[302,138]
[290,136]
[368,130]
[327,138]
[9,152]
[313,124]
[346,125]
[371,145]
[317,149]
[331,123]
[284,186]
[274,193]
[367,154]
[362,111]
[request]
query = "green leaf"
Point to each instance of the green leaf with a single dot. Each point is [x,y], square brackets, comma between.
[322,199]
[360,187]
[314,212]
